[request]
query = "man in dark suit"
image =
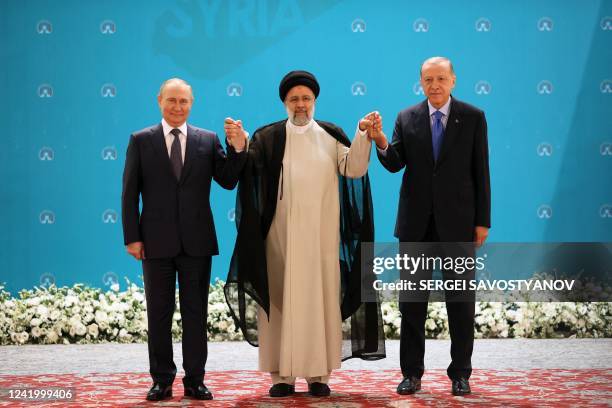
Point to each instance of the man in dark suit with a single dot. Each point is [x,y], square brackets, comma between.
[445,196]
[171,165]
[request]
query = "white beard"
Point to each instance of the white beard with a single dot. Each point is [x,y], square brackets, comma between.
[291,117]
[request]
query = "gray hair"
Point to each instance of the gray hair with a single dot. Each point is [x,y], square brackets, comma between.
[437,61]
[174,81]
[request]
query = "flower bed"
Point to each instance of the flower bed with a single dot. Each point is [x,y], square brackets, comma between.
[81,314]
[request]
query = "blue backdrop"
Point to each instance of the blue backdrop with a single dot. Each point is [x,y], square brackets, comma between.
[79,76]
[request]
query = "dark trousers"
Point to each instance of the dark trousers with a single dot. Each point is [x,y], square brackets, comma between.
[412,333]
[160,286]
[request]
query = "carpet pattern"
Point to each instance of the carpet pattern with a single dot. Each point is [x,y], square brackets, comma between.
[350,389]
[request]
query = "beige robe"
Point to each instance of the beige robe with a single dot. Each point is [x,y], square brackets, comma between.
[304,335]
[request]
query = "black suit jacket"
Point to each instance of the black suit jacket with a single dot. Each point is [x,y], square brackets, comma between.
[455,189]
[175,213]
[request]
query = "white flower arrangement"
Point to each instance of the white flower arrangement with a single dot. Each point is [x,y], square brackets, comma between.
[81,314]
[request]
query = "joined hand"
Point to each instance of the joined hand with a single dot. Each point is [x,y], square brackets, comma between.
[372,123]
[235,134]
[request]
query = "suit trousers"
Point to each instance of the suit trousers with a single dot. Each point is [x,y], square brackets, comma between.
[412,332]
[160,287]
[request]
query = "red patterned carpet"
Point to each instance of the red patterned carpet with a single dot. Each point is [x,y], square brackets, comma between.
[353,389]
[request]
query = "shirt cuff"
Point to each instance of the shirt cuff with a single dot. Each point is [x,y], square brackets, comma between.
[246,144]
[383,150]
[360,132]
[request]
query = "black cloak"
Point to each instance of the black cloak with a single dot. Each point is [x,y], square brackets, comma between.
[247,279]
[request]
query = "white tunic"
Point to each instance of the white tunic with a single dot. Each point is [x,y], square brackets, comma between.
[304,335]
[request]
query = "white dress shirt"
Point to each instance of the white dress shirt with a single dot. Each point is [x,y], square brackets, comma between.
[445,109]
[169,137]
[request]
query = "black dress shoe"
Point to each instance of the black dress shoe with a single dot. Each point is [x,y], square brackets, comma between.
[282,390]
[198,391]
[461,386]
[159,392]
[409,385]
[317,389]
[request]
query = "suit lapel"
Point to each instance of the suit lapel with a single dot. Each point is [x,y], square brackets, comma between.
[191,149]
[424,131]
[159,146]
[453,126]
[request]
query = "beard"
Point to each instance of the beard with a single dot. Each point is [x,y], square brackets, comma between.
[300,118]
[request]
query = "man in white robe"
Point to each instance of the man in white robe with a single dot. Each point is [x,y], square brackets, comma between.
[303,336]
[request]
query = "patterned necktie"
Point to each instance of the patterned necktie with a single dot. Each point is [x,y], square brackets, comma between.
[437,134]
[175,154]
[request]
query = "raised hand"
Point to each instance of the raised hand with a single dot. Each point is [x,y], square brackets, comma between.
[372,123]
[366,123]
[235,133]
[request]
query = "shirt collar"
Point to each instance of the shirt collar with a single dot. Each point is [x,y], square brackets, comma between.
[167,128]
[444,109]
[299,129]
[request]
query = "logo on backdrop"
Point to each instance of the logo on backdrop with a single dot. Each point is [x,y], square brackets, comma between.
[544,212]
[420,25]
[231,215]
[46,280]
[482,88]
[545,87]
[605,211]
[545,149]
[46,154]
[606,86]
[417,89]
[483,25]
[606,23]
[46,217]
[44,27]
[108,91]
[358,89]
[605,149]
[234,89]
[358,26]
[109,153]
[196,27]
[108,27]
[109,216]
[45,91]
[545,24]
[110,278]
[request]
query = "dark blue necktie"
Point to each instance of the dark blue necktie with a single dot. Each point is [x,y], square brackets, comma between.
[437,134]
[175,154]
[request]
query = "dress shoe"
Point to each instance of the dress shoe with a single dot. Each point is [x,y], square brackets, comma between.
[282,390]
[317,389]
[409,385]
[159,392]
[461,386]
[198,391]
